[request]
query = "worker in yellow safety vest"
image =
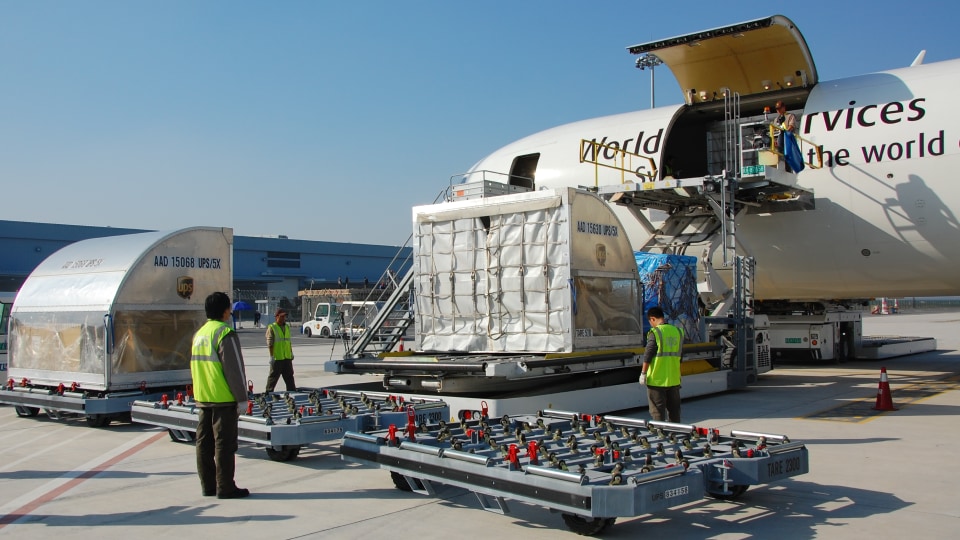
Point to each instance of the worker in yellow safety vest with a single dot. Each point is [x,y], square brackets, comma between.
[219,388]
[661,367]
[281,352]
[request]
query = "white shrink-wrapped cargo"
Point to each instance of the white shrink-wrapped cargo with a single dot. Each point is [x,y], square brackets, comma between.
[549,271]
[118,312]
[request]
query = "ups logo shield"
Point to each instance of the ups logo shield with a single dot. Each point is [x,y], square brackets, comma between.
[601,254]
[185,287]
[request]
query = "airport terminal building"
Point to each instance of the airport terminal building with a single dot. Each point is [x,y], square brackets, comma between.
[263,267]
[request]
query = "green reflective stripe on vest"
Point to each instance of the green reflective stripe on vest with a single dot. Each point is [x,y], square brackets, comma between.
[206,366]
[664,370]
[282,348]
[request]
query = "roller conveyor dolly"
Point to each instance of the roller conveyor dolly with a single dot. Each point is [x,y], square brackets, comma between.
[98,408]
[592,469]
[283,422]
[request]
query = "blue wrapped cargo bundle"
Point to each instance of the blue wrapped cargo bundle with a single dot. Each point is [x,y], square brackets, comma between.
[670,281]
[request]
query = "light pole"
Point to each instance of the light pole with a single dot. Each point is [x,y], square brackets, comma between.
[651,61]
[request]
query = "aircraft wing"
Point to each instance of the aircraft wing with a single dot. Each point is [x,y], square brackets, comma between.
[748,58]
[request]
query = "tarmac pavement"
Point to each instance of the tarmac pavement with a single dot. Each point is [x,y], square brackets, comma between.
[872,475]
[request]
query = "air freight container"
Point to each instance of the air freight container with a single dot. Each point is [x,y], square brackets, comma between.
[117,313]
[549,271]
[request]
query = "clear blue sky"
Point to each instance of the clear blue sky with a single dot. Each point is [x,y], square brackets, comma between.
[328,120]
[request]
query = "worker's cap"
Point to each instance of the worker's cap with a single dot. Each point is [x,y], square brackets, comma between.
[280,311]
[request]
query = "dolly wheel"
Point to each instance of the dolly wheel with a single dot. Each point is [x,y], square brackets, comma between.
[735,492]
[401,483]
[284,453]
[587,526]
[179,435]
[98,420]
[26,412]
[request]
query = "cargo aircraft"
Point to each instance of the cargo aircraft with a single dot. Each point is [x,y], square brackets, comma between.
[873,212]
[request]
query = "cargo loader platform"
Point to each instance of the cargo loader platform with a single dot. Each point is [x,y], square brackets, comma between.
[283,422]
[592,469]
[881,347]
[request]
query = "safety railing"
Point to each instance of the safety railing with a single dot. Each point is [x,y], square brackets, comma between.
[614,157]
[817,148]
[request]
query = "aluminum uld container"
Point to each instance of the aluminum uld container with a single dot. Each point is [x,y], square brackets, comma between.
[114,313]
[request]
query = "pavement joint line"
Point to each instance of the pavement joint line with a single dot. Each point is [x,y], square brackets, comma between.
[11,464]
[54,488]
[905,396]
[28,440]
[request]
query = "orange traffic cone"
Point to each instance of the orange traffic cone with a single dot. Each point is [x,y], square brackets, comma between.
[884,308]
[884,399]
[401,345]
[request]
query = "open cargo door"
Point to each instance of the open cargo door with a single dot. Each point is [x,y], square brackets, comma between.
[746,58]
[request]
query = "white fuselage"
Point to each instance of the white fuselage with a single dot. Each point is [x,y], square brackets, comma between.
[885,218]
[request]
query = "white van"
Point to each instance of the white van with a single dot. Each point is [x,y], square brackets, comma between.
[325,322]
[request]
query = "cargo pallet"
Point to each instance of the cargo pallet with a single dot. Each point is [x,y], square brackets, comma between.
[283,422]
[592,469]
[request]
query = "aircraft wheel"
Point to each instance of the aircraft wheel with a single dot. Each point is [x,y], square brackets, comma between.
[26,412]
[587,526]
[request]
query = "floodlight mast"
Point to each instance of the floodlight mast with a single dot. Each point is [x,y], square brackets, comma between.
[650,61]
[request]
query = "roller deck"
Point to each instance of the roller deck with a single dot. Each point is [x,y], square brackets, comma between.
[593,469]
[99,408]
[283,422]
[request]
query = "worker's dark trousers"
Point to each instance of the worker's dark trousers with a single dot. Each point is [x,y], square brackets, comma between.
[281,368]
[217,448]
[664,401]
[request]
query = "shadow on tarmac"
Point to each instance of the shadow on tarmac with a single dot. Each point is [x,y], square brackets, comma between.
[756,514]
[168,516]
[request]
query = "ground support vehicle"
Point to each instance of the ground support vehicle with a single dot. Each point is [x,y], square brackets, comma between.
[590,468]
[827,332]
[536,293]
[325,321]
[283,422]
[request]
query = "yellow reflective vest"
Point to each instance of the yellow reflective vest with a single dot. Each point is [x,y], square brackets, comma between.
[206,366]
[282,348]
[664,370]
